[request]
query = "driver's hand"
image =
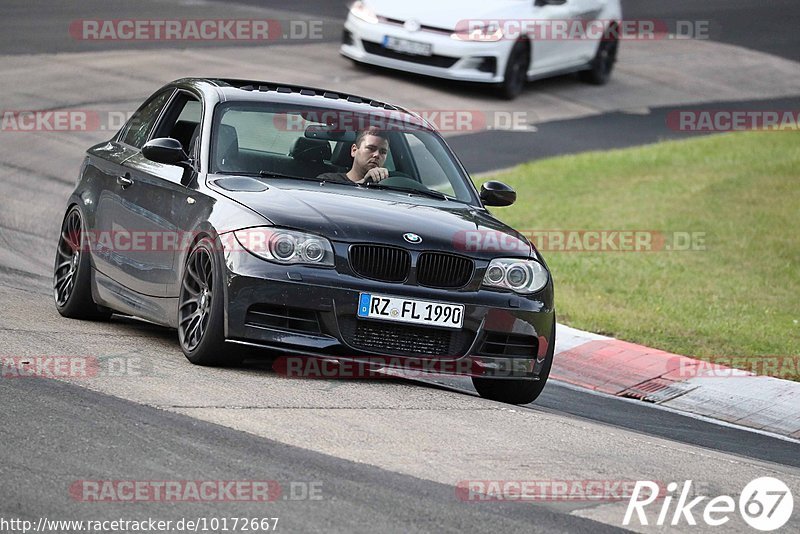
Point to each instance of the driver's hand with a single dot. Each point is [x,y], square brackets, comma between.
[376,174]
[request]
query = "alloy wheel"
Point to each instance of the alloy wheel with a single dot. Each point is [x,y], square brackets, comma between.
[196,298]
[68,258]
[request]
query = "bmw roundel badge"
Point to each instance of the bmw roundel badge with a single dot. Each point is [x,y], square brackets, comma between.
[412,238]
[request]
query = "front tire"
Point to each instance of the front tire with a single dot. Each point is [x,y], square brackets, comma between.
[516,74]
[72,273]
[515,391]
[201,308]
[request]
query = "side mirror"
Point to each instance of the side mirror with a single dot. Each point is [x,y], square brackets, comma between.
[497,194]
[169,151]
[165,150]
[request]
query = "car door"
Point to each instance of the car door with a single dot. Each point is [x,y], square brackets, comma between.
[589,13]
[178,206]
[548,51]
[119,216]
[155,204]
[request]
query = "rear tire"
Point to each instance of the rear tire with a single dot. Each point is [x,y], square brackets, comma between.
[72,272]
[602,65]
[201,309]
[516,391]
[516,74]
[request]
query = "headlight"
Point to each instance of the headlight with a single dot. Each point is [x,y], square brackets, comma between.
[361,11]
[520,276]
[490,33]
[286,246]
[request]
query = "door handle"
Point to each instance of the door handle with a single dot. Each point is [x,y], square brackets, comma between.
[125,181]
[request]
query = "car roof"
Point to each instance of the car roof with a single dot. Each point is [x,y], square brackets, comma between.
[217,90]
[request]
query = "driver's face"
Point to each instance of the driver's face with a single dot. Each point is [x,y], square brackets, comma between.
[372,153]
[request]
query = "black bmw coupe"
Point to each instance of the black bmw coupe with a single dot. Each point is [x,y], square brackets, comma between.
[310,223]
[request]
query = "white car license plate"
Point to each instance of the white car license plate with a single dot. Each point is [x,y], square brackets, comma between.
[410,311]
[407,47]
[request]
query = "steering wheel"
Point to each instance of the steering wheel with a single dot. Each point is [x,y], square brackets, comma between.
[399,179]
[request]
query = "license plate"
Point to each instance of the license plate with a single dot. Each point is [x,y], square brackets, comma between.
[410,311]
[407,47]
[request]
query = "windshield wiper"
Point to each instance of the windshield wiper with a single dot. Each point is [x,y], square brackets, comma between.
[272,174]
[412,190]
[265,174]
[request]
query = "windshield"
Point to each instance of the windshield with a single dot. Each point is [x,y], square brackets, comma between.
[271,141]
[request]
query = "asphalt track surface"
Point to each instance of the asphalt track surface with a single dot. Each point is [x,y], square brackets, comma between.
[122,440]
[372,444]
[600,132]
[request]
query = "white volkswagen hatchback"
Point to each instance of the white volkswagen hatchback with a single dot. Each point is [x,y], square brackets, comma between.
[502,42]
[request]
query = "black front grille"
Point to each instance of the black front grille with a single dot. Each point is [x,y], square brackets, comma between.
[380,337]
[499,344]
[444,270]
[444,62]
[283,318]
[404,340]
[378,262]
[389,338]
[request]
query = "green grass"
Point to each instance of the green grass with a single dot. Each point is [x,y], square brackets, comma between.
[738,297]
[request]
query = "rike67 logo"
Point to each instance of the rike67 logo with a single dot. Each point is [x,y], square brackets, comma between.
[765,504]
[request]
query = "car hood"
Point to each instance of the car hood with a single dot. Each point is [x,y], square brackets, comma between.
[440,14]
[357,215]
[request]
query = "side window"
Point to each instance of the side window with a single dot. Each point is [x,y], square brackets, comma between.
[258,131]
[140,123]
[181,120]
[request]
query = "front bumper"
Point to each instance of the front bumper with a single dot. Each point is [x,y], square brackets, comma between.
[454,60]
[306,311]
